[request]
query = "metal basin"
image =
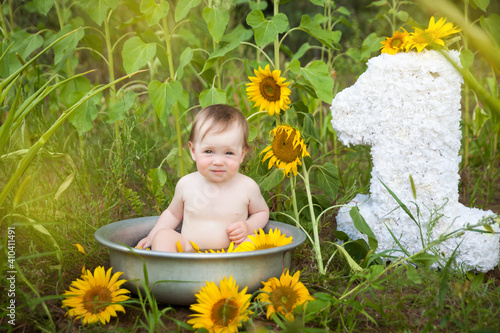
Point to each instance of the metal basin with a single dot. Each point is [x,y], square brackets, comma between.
[175,278]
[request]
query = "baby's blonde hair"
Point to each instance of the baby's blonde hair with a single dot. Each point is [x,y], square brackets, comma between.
[221,117]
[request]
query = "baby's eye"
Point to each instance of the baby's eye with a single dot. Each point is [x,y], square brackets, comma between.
[229,153]
[208,151]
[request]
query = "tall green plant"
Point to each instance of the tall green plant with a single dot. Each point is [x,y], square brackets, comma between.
[17,114]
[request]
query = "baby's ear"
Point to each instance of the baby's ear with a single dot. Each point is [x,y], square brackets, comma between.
[243,153]
[191,150]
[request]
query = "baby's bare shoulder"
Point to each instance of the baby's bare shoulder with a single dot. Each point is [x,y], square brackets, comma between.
[247,181]
[188,181]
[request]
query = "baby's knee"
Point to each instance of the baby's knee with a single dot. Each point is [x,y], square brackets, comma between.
[165,240]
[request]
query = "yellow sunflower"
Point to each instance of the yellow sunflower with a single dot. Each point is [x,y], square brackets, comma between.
[221,309]
[195,246]
[262,241]
[269,91]
[94,297]
[396,43]
[432,36]
[82,250]
[284,295]
[229,249]
[286,149]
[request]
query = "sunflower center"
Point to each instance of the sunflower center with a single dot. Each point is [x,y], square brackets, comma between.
[270,90]
[284,297]
[265,246]
[224,312]
[396,42]
[283,147]
[97,299]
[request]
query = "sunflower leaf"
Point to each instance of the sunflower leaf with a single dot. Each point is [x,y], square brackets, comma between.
[117,110]
[228,43]
[212,96]
[317,74]
[154,12]
[327,178]
[326,37]
[217,20]
[136,54]
[163,97]
[271,180]
[265,30]
[363,227]
[98,9]
[183,7]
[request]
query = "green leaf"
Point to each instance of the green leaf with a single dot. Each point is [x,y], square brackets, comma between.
[476,282]
[163,96]
[265,30]
[402,15]
[98,9]
[154,12]
[327,178]
[212,96]
[425,258]
[370,44]
[492,26]
[185,58]
[343,10]
[352,263]
[412,274]
[482,4]
[379,3]
[357,249]
[301,51]
[326,37]
[81,84]
[136,54]
[341,236]
[400,203]
[64,49]
[354,53]
[228,43]
[318,2]
[183,7]
[158,178]
[118,110]
[173,160]
[479,119]
[43,6]
[466,58]
[363,227]
[271,180]
[25,43]
[83,117]
[318,75]
[216,19]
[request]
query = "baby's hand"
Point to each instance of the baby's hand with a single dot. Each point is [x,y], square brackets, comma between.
[144,243]
[237,232]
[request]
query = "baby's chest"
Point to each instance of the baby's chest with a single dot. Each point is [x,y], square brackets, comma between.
[220,205]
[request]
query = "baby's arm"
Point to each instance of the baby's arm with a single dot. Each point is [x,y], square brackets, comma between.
[170,218]
[258,216]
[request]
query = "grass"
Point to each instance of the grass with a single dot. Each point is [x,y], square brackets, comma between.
[96,198]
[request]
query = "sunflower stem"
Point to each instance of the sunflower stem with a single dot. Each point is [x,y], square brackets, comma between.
[316,245]
[293,182]
[168,41]
[277,40]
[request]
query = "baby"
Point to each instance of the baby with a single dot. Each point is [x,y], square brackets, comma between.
[216,204]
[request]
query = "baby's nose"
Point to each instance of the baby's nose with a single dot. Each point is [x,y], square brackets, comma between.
[218,160]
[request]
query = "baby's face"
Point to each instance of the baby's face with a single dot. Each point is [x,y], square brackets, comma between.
[218,155]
